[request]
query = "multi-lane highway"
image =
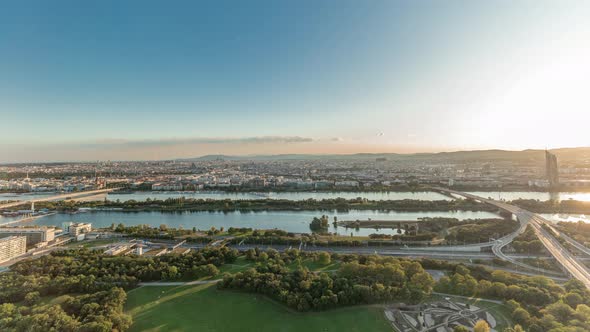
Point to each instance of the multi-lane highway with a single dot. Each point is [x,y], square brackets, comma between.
[571,241]
[67,196]
[568,262]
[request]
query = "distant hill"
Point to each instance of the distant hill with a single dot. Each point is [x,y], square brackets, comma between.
[524,155]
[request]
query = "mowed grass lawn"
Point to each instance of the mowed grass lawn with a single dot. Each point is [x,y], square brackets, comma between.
[203,308]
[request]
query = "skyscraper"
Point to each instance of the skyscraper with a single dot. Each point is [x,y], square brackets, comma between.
[551,169]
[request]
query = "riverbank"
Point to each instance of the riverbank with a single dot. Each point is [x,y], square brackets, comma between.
[261,205]
[317,195]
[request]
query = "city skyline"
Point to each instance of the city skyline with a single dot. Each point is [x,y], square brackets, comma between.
[142,80]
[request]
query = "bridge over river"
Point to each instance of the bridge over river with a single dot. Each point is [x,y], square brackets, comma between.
[68,196]
[568,262]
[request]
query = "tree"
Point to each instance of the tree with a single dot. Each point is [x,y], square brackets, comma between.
[574,284]
[516,328]
[521,316]
[120,228]
[251,254]
[462,270]
[324,258]
[460,328]
[319,224]
[32,298]
[423,281]
[263,257]
[561,311]
[583,312]
[481,326]
[573,299]
[171,273]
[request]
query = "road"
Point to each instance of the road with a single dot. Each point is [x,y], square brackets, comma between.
[571,241]
[523,216]
[178,283]
[57,197]
[567,261]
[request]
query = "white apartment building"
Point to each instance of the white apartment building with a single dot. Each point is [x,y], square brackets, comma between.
[78,228]
[11,247]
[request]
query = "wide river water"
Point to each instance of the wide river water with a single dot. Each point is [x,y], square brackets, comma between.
[291,221]
[295,196]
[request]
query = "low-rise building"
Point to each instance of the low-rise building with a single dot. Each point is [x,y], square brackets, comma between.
[77,228]
[167,186]
[346,184]
[34,235]
[155,252]
[119,249]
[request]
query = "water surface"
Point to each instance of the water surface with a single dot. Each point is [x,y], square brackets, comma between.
[291,221]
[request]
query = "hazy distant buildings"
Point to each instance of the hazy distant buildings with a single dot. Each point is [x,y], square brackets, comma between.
[11,247]
[551,169]
[167,186]
[348,184]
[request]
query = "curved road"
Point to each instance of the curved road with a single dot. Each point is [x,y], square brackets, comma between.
[567,261]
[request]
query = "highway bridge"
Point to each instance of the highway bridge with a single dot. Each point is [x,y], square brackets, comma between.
[59,197]
[568,262]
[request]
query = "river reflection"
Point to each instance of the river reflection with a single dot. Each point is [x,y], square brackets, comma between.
[291,221]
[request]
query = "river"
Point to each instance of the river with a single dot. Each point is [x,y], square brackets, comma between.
[291,221]
[566,217]
[295,196]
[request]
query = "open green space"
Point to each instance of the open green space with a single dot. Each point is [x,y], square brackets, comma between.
[93,243]
[315,266]
[204,308]
[241,264]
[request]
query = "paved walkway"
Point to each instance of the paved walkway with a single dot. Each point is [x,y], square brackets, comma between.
[469,298]
[179,283]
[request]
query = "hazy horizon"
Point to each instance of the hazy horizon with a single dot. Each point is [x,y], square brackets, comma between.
[125,156]
[143,80]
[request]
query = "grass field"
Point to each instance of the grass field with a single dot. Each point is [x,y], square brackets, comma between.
[93,243]
[204,308]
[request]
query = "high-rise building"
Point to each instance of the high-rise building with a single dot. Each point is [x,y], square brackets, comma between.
[551,169]
[12,246]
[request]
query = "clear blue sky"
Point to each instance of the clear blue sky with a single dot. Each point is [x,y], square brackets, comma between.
[162,79]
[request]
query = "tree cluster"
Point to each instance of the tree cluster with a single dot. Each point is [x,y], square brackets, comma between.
[536,303]
[368,279]
[320,224]
[90,287]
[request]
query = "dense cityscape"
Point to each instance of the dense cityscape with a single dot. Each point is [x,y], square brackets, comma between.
[477,170]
